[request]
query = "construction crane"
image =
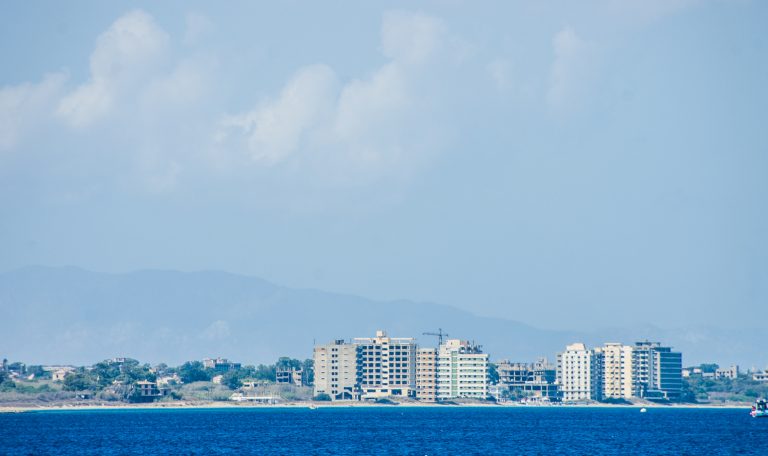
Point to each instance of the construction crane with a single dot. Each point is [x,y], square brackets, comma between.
[440,334]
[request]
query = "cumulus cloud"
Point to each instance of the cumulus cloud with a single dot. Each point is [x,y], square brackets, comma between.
[22,106]
[364,122]
[122,55]
[274,130]
[572,69]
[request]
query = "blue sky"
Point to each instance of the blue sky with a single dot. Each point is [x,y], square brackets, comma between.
[565,164]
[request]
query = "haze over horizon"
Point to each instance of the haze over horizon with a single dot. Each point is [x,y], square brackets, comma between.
[569,166]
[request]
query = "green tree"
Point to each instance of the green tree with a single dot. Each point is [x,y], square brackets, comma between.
[286,363]
[78,381]
[309,371]
[232,380]
[265,372]
[322,397]
[493,374]
[193,371]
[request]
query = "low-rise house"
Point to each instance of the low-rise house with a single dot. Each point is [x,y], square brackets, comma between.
[58,375]
[220,364]
[730,373]
[146,391]
[760,376]
[289,376]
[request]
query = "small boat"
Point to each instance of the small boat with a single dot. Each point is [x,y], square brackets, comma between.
[759,409]
[643,410]
[312,407]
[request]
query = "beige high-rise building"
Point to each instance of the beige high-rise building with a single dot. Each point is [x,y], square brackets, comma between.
[578,373]
[617,372]
[387,366]
[426,374]
[462,371]
[336,371]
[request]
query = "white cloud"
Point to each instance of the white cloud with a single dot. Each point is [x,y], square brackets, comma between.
[411,37]
[274,130]
[364,126]
[365,105]
[122,55]
[22,107]
[571,71]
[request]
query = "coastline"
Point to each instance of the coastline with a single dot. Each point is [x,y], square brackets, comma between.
[314,405]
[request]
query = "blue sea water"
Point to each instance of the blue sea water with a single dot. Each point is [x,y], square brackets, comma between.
[395,430]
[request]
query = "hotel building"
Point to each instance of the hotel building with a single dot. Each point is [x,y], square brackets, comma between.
[462,371]
[657,372]
[579,372]
[387,366]
[617,373]
[336,371]
[426,374]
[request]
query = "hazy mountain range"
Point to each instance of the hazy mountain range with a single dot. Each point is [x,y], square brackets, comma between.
[70,315]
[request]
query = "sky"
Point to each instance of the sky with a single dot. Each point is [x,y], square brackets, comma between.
[564,164]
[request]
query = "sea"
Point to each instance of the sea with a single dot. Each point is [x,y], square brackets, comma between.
[395,430]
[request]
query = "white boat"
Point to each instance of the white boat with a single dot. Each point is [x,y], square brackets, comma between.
[643,410]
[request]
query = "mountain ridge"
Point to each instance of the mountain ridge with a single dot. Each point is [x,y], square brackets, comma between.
[72,315]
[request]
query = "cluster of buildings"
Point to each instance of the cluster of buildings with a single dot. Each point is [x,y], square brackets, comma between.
[382,366]
[614,371]
[730,373]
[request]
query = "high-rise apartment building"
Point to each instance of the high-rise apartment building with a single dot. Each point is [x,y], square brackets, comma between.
[657,372]
[426,374]
[579,372]
[336,371]
[617,373]
[387,366]
[462,371]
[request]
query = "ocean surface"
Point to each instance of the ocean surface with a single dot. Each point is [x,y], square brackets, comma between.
[396,430]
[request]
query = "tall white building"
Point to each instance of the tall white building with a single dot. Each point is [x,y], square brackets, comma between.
[462,371]
[387,366]
[617,372]
[336,371]
[579,373]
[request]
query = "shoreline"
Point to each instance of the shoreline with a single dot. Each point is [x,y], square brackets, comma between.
[314,405]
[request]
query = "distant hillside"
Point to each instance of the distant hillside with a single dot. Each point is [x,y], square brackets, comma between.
[69,315]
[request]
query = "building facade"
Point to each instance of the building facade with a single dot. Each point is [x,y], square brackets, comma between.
[579,374]
[617,371]
[532,381]
[462,371]
[426,374]
[731,373]
[336,371]
[387,366]
[658,372]
[220,365]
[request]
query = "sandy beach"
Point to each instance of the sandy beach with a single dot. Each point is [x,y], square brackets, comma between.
[309,405]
